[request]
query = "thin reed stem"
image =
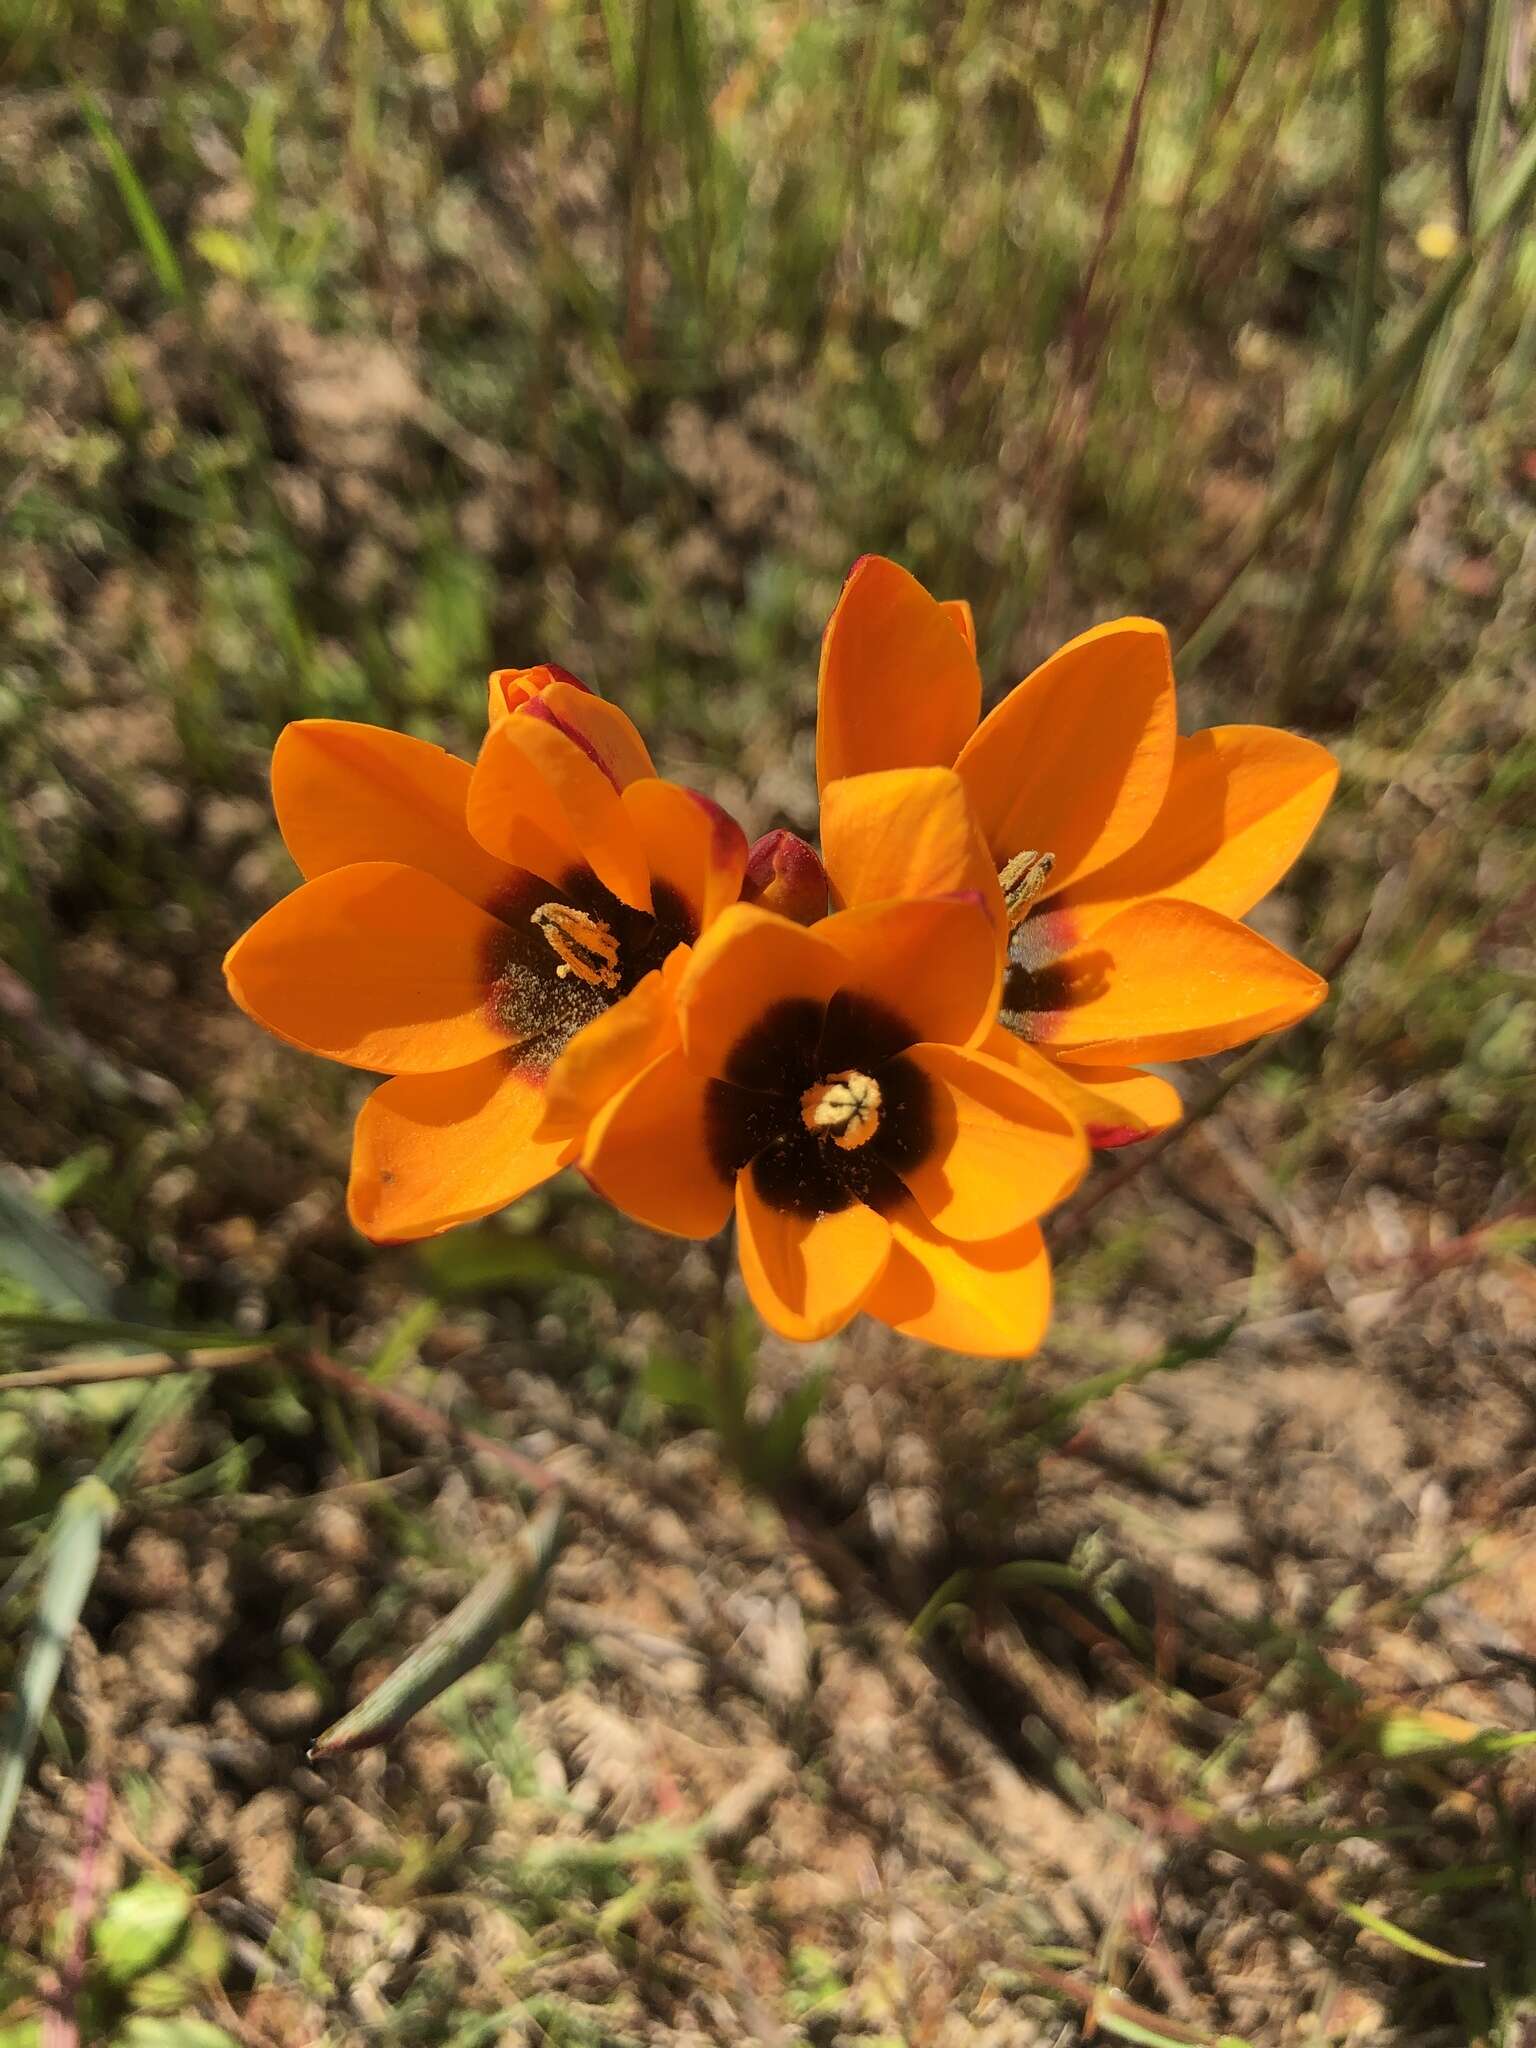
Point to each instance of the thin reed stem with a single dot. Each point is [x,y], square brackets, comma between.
[1354,461]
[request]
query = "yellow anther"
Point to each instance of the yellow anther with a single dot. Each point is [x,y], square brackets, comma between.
[1023,878]
[845,1107]
[583,944]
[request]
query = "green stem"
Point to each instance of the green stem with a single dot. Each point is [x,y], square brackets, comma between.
[1355,462]
[1377,27]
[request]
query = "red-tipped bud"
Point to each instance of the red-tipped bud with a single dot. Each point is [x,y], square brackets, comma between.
[786,875]
[512,689]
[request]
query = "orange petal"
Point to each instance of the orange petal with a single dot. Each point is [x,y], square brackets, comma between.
[551,692]
[691,845]
[1242,802]
[747,963]
[378,966]
[935,964]
[1169,981]
[433,1150]
[1114,1105]
[538,800]
[649,1152]
[345,793]
[1002,1152]
[607,1054]
[604,733]
[905,832]
[899,684]
[807,1275]
[991,1298]
[959,613]
[1075,761]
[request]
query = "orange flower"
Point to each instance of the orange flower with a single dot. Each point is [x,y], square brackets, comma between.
[829,1082]
[1122,855]
[457,928]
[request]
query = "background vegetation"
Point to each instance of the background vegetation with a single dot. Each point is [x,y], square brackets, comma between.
[1174,1687]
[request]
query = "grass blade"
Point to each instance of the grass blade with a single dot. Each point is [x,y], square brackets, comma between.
[1391,369]
[60,1332]
[74,1552]
[140,207]
[1182,1351]
[1451,365]
[1441,386]
[502,1600]
[1376,23]
[1410,1944]
[1132,2030]
[1491,98]
[1356,456]
[35,1250]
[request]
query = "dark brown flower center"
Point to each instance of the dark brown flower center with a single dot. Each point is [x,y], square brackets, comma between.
[818,1102]
[562,956]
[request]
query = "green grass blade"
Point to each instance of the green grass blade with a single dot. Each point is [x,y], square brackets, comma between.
[1376,23]
[1132,2030]
[1392,368]
[1410,1944]
[950,1594]
[161,1402]
[1443,383]
[74,1552]
[140,208]
[502,1600]
[1491,97]
[621,44]
[695,124]
[41,1254]
[1357,454]
[1183,1351]
[59,1332]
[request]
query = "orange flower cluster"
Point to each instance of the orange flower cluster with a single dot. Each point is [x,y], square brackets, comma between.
[889,1060]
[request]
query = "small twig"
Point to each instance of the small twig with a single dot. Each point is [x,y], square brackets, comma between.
[1075,1218]
[1114,204]
[148,1365]
[1065,429]
[1098,2000]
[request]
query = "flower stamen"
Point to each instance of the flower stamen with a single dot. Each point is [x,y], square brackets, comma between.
[584,945]
[844,1107]
[1023,878]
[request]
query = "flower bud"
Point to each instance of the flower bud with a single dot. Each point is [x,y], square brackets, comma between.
[513,689]
[785,875]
